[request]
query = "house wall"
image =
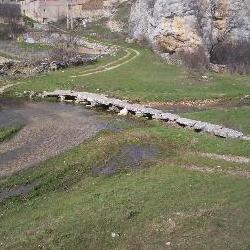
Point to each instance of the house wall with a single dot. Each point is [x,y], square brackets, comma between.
[44,11]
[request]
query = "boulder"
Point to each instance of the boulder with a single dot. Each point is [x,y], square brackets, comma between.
[228,133]
[186,122]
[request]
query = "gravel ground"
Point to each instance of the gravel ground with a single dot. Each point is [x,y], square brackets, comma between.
[49,129]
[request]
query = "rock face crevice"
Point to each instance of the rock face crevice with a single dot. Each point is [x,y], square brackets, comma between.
[171,26]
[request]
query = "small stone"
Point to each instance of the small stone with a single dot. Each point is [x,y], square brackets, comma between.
[62,98]
[246,138]
[114,235]
[123,112]
[169,117]
[114,109]
[139,114]
[156,117]
[168,243]
[186,122]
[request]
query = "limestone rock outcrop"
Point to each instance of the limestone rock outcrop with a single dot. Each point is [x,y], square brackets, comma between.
[171,26]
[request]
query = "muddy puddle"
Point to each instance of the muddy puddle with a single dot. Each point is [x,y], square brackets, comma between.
[130,156]
[49,128]
[19,191]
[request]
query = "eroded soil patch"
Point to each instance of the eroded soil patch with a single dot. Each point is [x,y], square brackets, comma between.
[16,191]
[130,156]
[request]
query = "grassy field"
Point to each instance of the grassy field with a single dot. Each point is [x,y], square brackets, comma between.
[150,206]
[144,79]
[180,199]
[236,117]
[7,133]
[34,46]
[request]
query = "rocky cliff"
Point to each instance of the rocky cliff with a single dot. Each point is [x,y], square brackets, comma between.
[171,26]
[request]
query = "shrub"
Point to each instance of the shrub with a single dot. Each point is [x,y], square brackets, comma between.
[195,59]
[235,55]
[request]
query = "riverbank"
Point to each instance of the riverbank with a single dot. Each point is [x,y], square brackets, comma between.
[48,129]
[153,83]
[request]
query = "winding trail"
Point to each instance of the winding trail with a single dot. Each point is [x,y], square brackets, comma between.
[112,65]
[215,170]
[109,66]
[3,88]
[228,158]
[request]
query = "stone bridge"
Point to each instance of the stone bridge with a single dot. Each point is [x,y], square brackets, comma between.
[124,108]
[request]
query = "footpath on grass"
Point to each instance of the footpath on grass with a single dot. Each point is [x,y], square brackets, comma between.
[3,88]
[131,54]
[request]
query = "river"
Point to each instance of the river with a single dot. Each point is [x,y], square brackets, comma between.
[48,128]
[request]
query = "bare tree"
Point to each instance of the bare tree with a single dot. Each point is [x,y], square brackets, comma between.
[11,15]
[67,44]
[219,48]
[232,21]
[217,12]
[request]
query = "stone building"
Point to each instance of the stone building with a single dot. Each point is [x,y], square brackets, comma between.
[45,11]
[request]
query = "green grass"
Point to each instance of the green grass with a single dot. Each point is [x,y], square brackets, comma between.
[145,79]
[162,201]
[148,207]
[29,21]
[236,118]
[7,133]
[34,46]
[8,55]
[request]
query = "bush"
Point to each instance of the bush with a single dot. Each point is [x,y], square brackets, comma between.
[235,55]
[10,15]
[195,59]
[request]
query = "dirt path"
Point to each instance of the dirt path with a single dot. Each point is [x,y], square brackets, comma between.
[210,170]
[109,66]
[228,158]
[3,88]
[112,65]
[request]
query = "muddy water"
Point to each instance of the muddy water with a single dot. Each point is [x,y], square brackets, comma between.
[48,129]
